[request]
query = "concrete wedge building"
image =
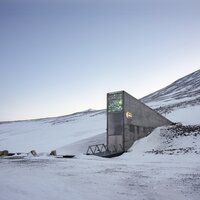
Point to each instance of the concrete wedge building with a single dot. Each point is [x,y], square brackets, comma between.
[128,120]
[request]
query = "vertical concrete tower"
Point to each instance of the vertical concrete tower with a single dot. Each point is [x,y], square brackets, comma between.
[128,119]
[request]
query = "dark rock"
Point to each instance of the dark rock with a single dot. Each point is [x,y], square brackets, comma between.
[33,152]
[53,153]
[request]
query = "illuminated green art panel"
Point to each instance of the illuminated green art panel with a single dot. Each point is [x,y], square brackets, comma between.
[115,102]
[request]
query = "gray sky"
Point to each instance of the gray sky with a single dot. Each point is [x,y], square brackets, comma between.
[59,57]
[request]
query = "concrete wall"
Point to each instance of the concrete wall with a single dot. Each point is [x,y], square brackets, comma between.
[134,121]
[142,122]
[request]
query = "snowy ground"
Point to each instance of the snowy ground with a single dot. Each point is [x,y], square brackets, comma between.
[165,165]
[136,174]
[128,177]
[146,177]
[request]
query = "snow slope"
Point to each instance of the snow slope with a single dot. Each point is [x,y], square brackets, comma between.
[188,115]
[48,134]
[181,93]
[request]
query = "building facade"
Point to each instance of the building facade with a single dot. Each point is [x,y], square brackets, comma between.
[128,120]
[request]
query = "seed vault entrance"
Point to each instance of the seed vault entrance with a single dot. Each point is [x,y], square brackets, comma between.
[128,119]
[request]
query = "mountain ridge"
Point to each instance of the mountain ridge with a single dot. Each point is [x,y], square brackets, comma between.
[182,93]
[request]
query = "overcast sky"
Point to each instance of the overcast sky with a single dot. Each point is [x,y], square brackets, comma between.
[62,56]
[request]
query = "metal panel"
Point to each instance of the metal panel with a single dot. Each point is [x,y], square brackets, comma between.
[115,126]
[115,143]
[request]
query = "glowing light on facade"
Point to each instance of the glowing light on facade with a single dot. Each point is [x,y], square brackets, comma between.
[129,115]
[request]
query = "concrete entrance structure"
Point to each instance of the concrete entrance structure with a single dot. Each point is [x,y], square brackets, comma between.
[128,119]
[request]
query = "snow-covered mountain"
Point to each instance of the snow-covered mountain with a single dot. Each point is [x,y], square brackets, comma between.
[164,165]
[185,92]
